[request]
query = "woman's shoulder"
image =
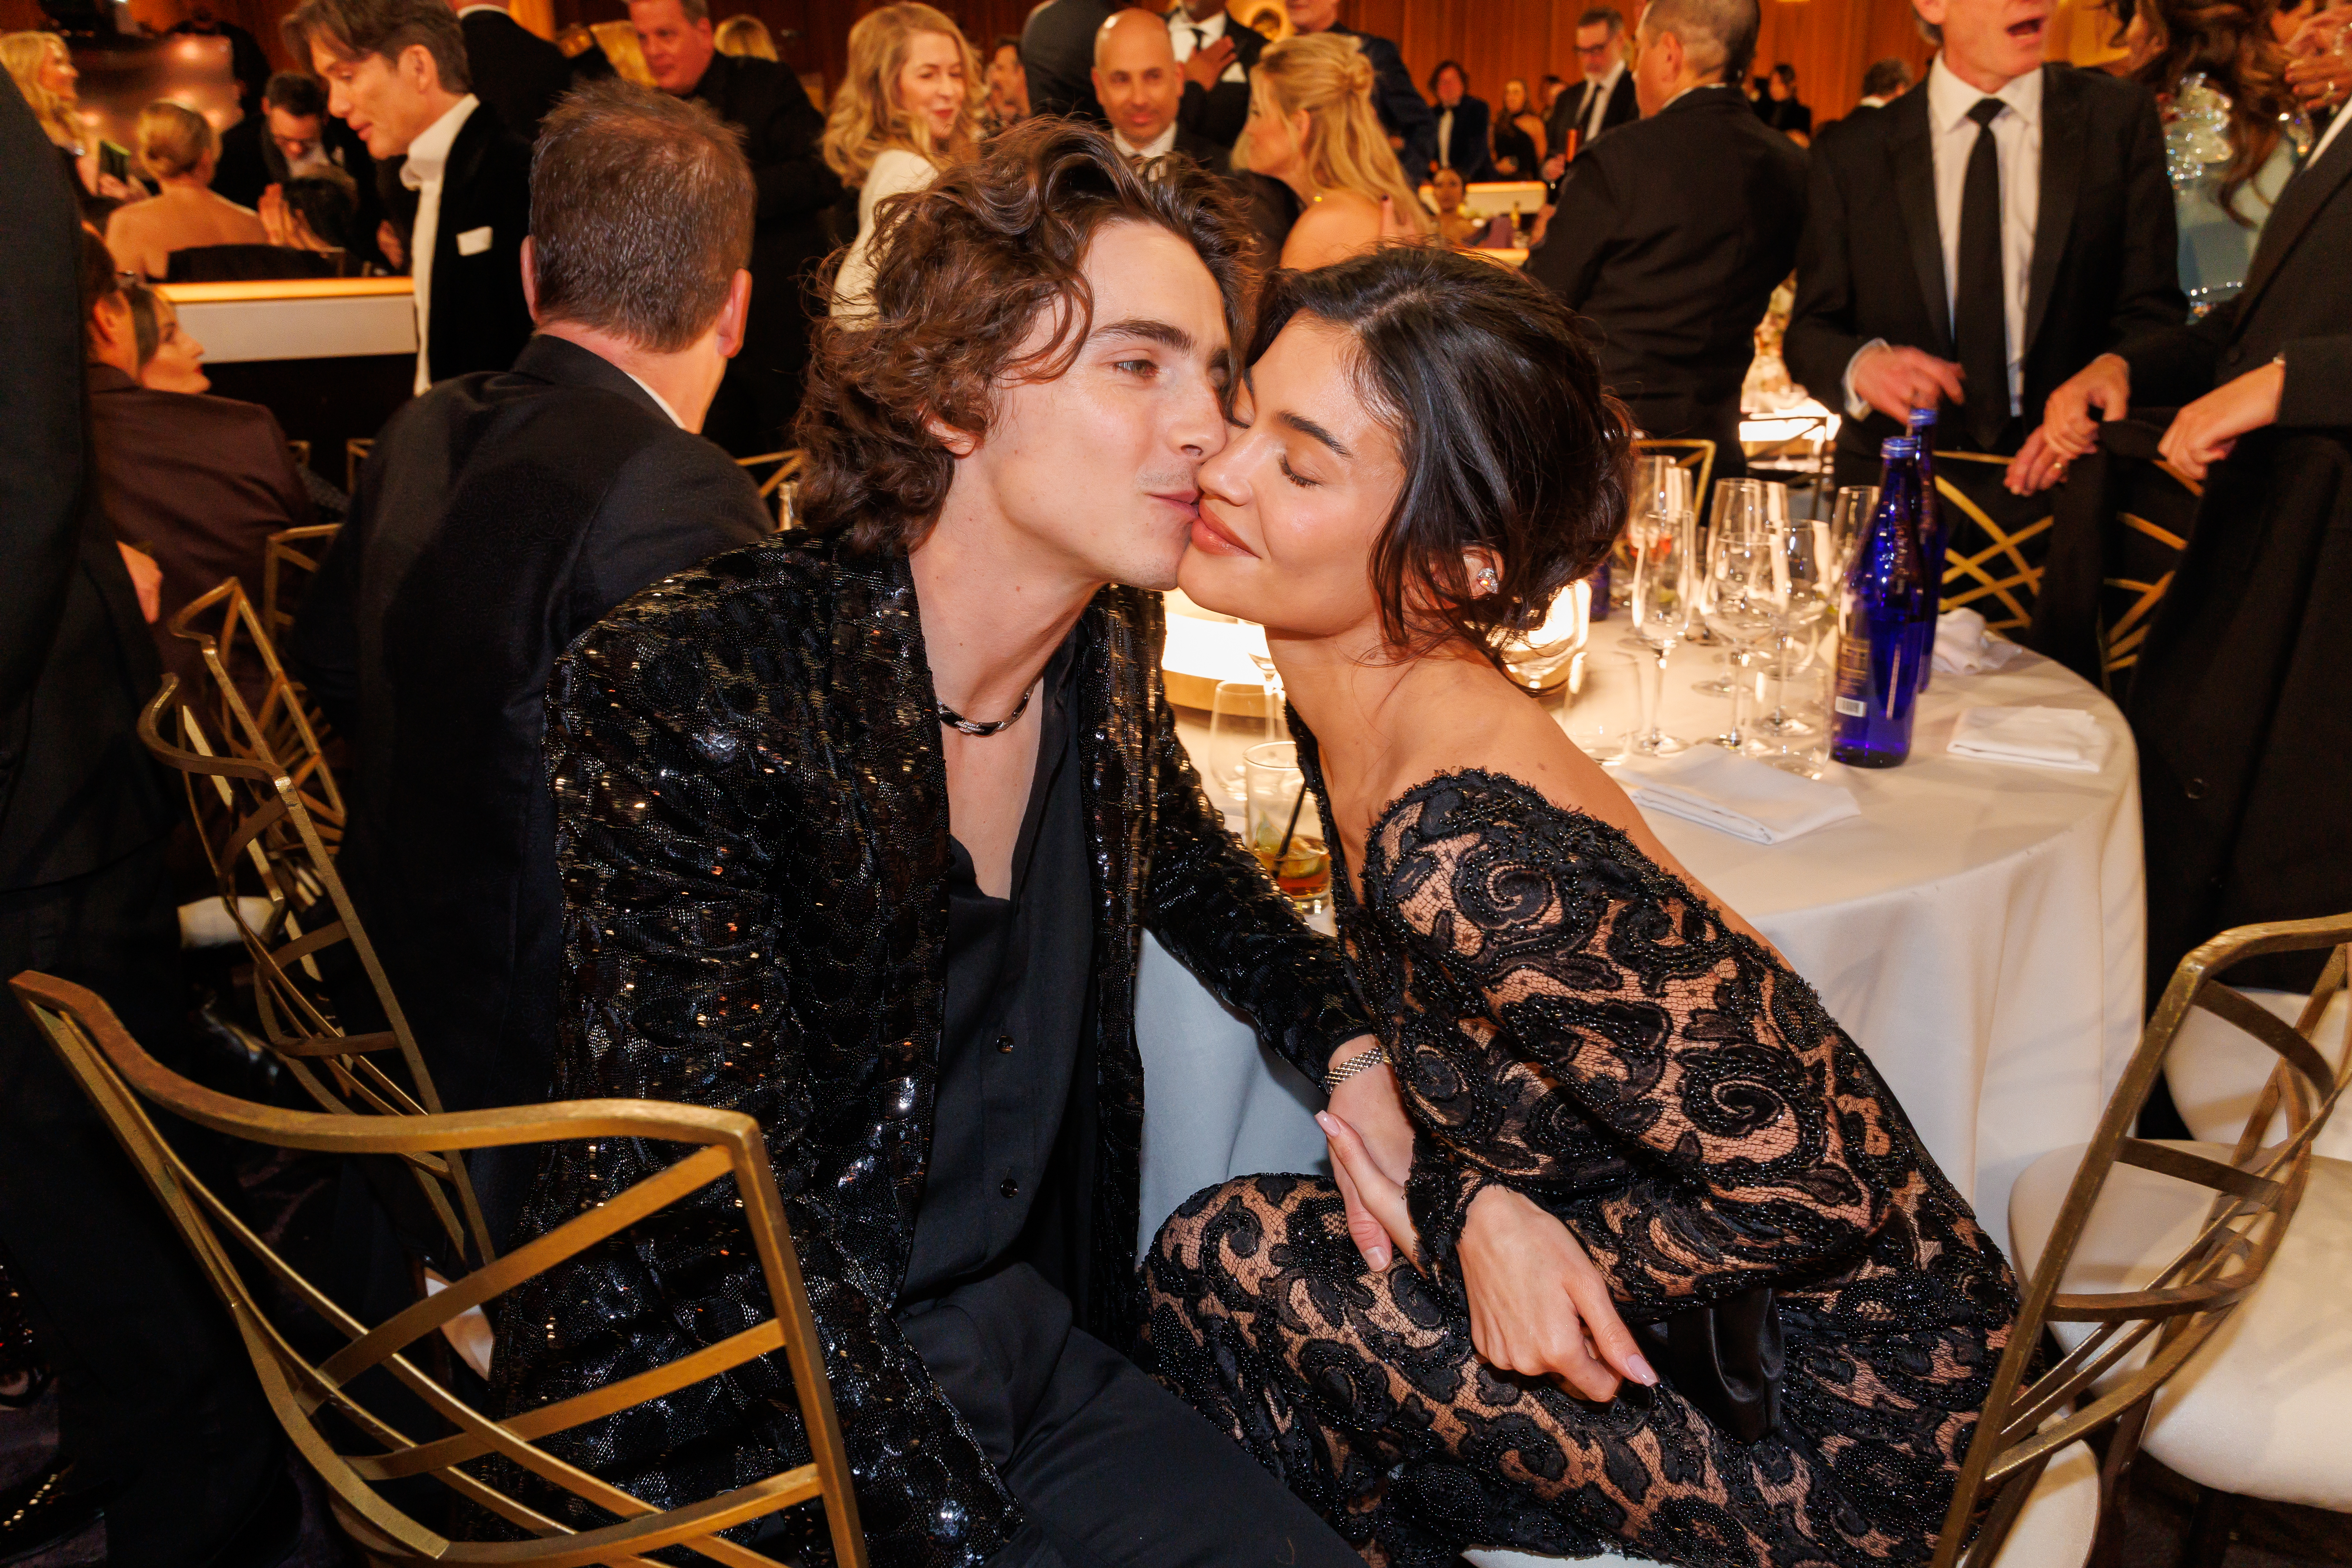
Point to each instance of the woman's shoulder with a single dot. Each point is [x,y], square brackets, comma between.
[896,169]
[1334,224]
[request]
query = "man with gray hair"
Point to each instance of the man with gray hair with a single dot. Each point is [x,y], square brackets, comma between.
[1671,274]
[498,517]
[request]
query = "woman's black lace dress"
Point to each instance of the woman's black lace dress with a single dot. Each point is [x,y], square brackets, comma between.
[1568,1019]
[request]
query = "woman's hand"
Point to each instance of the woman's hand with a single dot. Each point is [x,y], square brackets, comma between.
[1538,1306]
[1370,1106]
[1367,1186]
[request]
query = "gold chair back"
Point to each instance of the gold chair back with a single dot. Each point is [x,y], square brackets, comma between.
[267,722]
[337,1417]
[1695,455]
[2028,1417]
[355,451]
[1270,18]
[289,559]
[1994,561]
[780,483]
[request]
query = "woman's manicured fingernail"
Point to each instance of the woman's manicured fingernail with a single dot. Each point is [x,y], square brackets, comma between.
[1377,1258]
[1643,1375]
[1323,1119]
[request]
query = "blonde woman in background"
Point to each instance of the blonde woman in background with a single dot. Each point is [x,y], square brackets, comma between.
[745,35]
[44,72]
[178,148]
[1311,125]
[908,108]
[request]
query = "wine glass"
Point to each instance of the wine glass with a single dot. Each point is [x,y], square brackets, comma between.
[1241,715]
[1803,582]
[1740,506]
[1660,613]
[1849,517]
[1742,577]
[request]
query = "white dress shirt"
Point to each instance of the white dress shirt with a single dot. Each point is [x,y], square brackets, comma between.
[1596,103]
[428,157]
[1444,138]
[2016,145]
[657,397]
[2016,141]
[1185,34]
[1159,146]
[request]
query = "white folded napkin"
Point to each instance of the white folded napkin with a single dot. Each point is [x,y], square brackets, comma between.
[1963,646]
[2038,737]
[1735,794]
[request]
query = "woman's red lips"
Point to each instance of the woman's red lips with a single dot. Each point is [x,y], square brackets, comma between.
[1207,535]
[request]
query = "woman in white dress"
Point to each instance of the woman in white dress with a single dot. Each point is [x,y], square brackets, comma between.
[909,107]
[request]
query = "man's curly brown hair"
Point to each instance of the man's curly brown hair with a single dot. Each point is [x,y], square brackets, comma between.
[963,270]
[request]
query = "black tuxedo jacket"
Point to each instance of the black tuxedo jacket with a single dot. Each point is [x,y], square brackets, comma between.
[1057,55]
[1211,156]
[498,517]
[781,127]
[1624,106]
[1469,151]
[1403,110]
[475,318]
[2297,301]
[1671,276]
[76,789]
[515,70]
[2104,267]
[1218,113]
[250,163]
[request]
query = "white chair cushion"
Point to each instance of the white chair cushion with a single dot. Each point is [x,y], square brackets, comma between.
[2055,1531]
[2216,1070]
[2259,1410]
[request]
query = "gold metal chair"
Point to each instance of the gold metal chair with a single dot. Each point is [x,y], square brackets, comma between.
[1696,456]
[779,486]
[301,452]
[289,559]
[266,721]
[1993,565]
[355,451]
[335,1416]
[2120,1347]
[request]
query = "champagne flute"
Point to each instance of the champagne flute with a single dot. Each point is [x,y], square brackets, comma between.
[1741,584]
[1849,517]
[1802,586]
[1661,614]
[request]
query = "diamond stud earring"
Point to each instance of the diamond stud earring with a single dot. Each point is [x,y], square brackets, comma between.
[1488,582]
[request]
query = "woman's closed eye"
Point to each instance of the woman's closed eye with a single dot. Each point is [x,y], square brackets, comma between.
[1293,475]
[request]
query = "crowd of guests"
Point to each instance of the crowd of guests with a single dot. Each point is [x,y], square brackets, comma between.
[617,287]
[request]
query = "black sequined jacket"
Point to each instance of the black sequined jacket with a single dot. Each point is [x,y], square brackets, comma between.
[754,835]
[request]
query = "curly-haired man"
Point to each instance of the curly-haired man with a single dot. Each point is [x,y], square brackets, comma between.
[860,830]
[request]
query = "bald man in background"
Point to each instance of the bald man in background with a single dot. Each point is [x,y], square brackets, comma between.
[1140,87]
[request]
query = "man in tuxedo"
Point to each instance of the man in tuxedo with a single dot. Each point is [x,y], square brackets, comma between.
[396,74]
[1463,125]
[2237,700]
[1217,53]
[515,70]
[161,1425]
[497,517]
[753,411]
[1977,242]
[1057,53]
[1671,275]
[1604,99]
[1404,114]
[291,138]
[1140,87]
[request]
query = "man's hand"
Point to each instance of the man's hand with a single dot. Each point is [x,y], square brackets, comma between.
[2207,431]
[1538,1306]
[1208,64]
[2105,384]
[387,239]
[2317,71]
[1370,1106]
[146,581]
[1554,166]
[274,216]
[1895,380]
[2037,466]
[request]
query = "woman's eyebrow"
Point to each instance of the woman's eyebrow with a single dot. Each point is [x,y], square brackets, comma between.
[1306,426]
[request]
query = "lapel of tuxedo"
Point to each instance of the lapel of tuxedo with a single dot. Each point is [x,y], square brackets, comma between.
[2061,178]
[1911,159]
[2300,203]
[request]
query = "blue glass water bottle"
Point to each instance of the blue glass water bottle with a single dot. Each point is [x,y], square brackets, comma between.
[1933,537]
[1878,623]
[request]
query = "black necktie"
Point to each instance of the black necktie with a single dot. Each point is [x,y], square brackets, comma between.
[1981,304]
[1200,39]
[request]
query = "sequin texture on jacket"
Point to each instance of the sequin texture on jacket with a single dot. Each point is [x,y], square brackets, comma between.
[753,820]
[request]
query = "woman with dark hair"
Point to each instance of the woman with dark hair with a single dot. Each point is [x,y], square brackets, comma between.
[2218,67]
[1601,1099]
[1778,107]
[1518,134]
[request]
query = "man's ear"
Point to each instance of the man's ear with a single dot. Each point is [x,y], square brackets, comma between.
[530,282]
[734,314]
[958,443]
[418,66]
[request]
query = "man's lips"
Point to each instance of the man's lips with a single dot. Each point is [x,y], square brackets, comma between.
[1215,540]
[2031,28]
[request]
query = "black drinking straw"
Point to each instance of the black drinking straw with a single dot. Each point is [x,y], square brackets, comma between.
[1296,807]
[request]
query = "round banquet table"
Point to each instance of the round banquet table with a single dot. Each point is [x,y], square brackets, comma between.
[1979,931]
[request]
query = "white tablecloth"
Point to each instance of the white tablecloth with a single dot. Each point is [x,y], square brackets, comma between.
[1980,931]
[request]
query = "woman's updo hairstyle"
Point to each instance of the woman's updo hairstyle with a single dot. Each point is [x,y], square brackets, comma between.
[173,138]
[1508,437]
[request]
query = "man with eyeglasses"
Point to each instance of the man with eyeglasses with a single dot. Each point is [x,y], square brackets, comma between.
[291,139]
[1604,99]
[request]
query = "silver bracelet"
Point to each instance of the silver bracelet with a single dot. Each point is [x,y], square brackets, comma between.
[1362,1061]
